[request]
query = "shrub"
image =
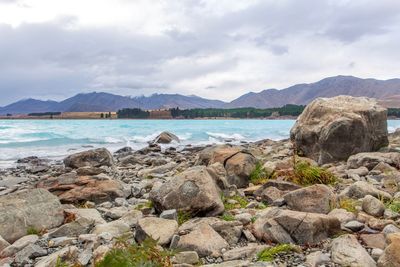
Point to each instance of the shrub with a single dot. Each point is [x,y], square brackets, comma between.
[305,174]
[259,175]
[61,263]
[269,254]
[146,254]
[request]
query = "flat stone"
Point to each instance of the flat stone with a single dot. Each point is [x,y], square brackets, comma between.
[159,229]
[374,240]
[354,226]
[18,245]
[373,206]
[188,257]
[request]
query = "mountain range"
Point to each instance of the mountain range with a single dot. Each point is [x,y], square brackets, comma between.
[386,91]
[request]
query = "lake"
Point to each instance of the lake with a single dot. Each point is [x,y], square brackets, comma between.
[57,138]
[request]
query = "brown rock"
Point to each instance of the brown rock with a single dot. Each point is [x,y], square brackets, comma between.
[91,158]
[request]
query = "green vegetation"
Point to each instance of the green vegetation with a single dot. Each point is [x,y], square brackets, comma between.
[183,216]
[39,114]
[287,110]
[132,113]
[61,263]
[146,254]
[237,203]
[394,112]
[147,205]
[269,254]
[259,175]
[393,205]
[348,204]
[227,217]
[253,219]
[32,231]
[305,174]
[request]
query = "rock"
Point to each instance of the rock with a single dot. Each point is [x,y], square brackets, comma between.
[64,254]
[75,228]
[159,229]
[354,226]
[89,214]
[219,153]
[342,215]
[374,240]
[77,189]
[332,129]
[62,241]
[204,240]
[115,228]
[390,229]
[169,214]
[239,168]
[115,212]
[346,251]
[91,158]
[165,138]
[317,258]
[33,208]
[281,185]
[372,159]
[376,253]
[286,226]
[194,191]
[85,256]
[188,257]
[270,195]
[391,255]
[3,244]
[360,189]
[18,245]
[316,198]
[100,252]
[247,252]
[373,206]
[31,251]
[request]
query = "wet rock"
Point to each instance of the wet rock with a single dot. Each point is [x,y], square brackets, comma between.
[91,158]
[316,198]
[165,138]
[373,206]
[33,208]
[346,251]
[159,229]
[194,191]
[332,129]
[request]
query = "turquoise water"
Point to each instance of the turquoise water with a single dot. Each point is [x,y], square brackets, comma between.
[58,138]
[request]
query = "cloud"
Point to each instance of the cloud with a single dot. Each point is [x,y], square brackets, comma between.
[212,48]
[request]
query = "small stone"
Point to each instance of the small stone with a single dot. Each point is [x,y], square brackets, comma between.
[373,206]
[390,229]
[354,226]
[376,253]
[31,251]
[186,257]
[169,214]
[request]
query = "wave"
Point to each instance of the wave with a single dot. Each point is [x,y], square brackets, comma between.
[224,136]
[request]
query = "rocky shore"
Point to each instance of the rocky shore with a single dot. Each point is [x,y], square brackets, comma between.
[330,196]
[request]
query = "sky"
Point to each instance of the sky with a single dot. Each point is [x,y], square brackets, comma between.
[218,49]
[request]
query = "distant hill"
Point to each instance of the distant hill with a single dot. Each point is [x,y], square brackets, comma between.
[388,92]
[302,94]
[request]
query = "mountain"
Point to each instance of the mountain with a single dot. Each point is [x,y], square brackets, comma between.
[387,92]
[103,102]
[302,94]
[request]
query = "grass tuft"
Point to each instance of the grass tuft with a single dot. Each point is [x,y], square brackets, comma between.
[393,205]
[183,216]
[348,204]
[146,254]
[305,174]
[241,202]
[227,217]
[259,175]
[269,254]
[32,231]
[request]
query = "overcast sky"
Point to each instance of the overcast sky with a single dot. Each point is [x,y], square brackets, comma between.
[220,49]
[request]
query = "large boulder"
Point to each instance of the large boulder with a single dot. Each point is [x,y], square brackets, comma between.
[71,188]
[194,191]
[165,138]
[237,162]
[91,158]
[372,159]
[35,208]
[332,129]
[287,226]
[316,198]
